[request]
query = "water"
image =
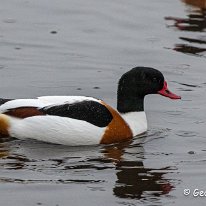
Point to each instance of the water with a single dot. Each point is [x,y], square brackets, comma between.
[82,48]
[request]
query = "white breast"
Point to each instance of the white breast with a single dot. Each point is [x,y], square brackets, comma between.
[137,121]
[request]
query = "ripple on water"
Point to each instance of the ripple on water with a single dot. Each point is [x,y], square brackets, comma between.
[86,166]
[30,157]
[2,67]
[189,85]
[74,42]
[151,135]
[175,113]
[9,21]
[182,133]
[44,181]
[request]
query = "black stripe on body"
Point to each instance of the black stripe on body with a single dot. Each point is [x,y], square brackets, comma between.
[3,101]
[89,111]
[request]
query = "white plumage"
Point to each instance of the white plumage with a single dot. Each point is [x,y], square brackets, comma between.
[54,129]
[22,103]
[137,122]
[43,101]
[65,99]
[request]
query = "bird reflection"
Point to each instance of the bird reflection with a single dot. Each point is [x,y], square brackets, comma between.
[4,149]
[126,160]
[10,161]
[194,22]
[197,3]
[133,178]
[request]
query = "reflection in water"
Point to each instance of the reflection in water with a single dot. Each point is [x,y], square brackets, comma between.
[10,161]
[198,3]
[133,179]
[195,22]
[3,151]
[115,152]
[184,48]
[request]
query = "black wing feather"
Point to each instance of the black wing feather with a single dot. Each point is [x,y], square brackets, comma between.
[90,111]
[3,101]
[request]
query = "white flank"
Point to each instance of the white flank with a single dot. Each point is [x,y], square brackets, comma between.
[54,129]
[137,121]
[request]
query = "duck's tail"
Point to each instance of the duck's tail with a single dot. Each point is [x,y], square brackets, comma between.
[5,123]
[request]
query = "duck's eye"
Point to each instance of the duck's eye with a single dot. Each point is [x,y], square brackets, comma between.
[154,79]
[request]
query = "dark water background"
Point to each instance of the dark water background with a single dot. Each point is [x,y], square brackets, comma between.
[82,47]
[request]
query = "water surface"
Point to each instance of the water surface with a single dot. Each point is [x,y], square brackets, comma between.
[82,48]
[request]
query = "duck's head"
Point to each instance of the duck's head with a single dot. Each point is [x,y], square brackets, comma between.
[135,84]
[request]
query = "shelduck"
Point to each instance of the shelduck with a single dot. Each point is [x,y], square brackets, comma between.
[81,120]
